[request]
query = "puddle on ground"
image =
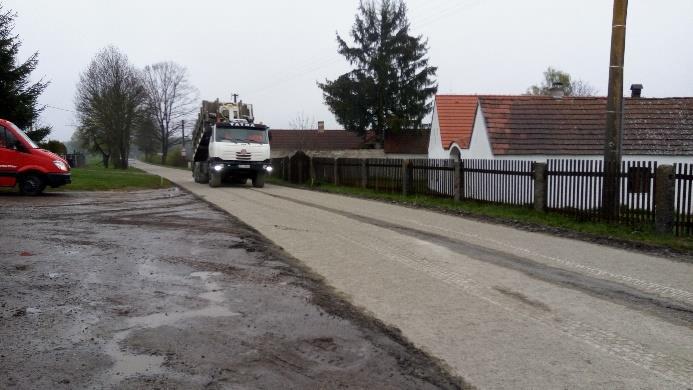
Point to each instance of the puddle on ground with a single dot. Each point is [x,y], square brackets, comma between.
[126,364]
[161,319]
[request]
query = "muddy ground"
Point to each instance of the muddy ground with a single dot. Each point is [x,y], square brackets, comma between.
[156,289]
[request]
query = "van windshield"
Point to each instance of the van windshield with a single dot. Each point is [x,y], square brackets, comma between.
[22,134]
[241,135]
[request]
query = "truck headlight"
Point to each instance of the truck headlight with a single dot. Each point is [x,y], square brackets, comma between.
[218,167]
[269,168]
[60,165]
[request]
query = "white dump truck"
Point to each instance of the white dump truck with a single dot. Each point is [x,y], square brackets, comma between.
[229,146]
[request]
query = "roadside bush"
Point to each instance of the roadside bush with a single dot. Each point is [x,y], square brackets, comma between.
[174,158]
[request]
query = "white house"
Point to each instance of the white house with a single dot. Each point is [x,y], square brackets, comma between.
[538,128]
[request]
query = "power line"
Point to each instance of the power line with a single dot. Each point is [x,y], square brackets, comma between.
[60,109]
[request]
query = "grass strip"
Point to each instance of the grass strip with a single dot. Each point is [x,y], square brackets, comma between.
[95,178]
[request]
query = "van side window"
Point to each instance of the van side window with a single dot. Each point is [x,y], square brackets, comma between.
[9,139]
[3,141]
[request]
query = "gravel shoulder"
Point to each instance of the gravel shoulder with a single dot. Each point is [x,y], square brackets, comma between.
[156,289]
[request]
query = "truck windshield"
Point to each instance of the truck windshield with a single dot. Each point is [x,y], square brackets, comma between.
[24,136]
[241,135]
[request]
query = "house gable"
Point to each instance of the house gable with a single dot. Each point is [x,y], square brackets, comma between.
[455,116]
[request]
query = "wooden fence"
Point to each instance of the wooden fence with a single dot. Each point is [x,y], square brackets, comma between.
[384,174]
[575,187]
[572,187]
[433,177]
[499,181]
[683,216]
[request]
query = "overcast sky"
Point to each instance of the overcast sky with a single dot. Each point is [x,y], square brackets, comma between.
[272,52]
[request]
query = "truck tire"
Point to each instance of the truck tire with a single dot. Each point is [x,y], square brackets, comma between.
[194,173]
[259,180]
[197,173]
[202,175]
[31,185]
[215,180]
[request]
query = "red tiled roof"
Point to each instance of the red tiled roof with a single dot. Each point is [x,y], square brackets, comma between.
[520,125]
[314,140]
[456,118]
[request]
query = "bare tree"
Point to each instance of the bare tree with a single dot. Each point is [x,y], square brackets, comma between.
[109,104]
[170,100]
[302,122]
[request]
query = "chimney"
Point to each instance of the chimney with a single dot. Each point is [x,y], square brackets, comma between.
[636,90]
[321,126]
[557,91]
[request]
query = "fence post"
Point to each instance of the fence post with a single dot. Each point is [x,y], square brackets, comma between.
[407,177]
[311,170]
[364,173]
[541,187]
[457,181]
[664,199]
[299,163]
[336,171]
[287,165]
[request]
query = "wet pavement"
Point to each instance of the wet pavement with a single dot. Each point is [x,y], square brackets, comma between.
[157,289]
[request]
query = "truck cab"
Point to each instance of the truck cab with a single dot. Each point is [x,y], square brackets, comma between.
[24,164]
[229,146]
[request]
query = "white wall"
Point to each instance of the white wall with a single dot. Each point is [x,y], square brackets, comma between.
[435,143]
[480,146]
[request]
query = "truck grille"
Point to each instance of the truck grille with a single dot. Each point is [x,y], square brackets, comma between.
[243,156]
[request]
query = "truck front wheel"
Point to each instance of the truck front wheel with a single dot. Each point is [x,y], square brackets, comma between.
[31,185]
[202,173]
[259,180]
[214,179]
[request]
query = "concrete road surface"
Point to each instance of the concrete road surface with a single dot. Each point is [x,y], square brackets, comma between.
[503,308]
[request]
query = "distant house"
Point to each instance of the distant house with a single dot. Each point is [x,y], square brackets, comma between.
[285,142]
[342,143]
[407,144]
[537,128]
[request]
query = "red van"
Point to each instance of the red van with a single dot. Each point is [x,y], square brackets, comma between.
[22,163]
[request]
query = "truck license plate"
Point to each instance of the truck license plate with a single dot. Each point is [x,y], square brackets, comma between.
[244,166]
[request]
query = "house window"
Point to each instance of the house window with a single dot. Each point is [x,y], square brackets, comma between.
[639,180]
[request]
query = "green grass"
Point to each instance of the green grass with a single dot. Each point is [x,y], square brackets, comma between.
[519,215]
[97,178]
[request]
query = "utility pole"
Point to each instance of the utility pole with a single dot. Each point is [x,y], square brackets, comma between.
[182,127]
[614,113]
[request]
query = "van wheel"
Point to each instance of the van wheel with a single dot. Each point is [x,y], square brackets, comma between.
[259,180]
[215,180]
[31,185]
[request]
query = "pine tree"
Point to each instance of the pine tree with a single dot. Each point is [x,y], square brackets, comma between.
[18,95]
[390,87]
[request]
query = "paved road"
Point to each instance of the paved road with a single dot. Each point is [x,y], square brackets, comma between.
[503,308]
